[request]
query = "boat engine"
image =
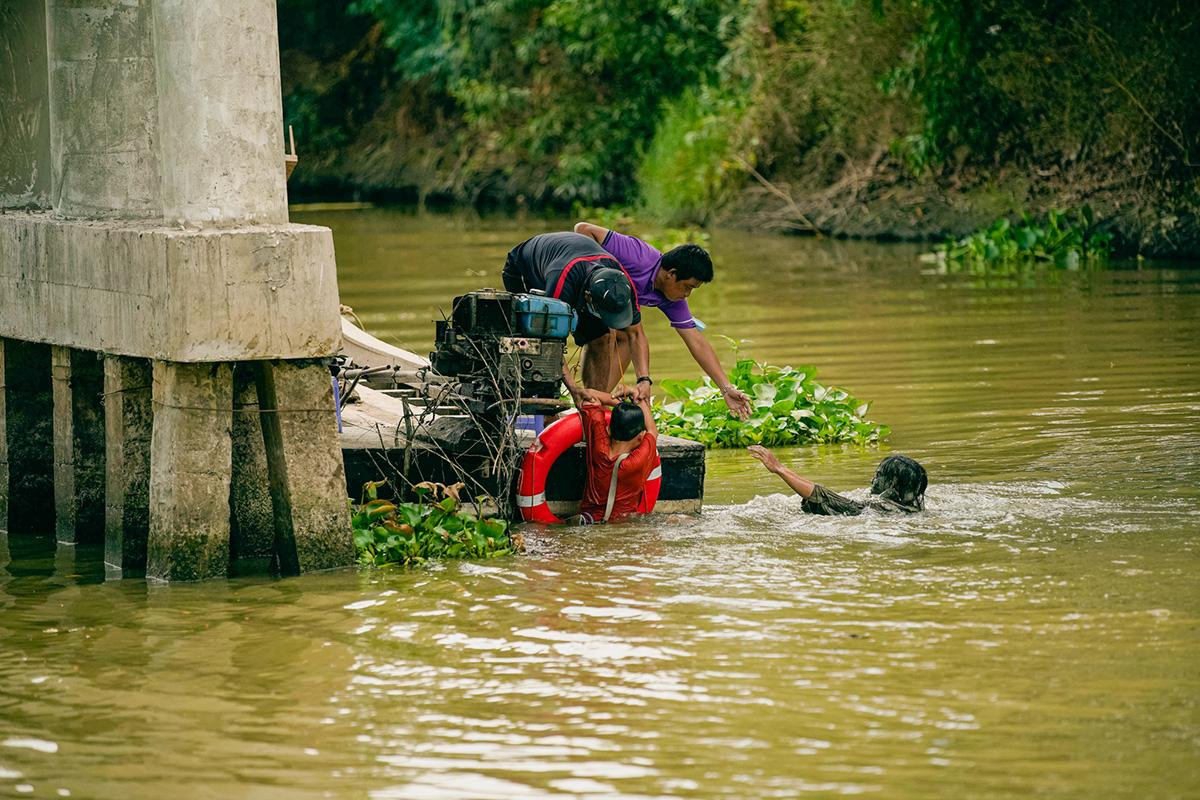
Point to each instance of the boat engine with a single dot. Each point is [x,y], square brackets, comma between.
[504,346]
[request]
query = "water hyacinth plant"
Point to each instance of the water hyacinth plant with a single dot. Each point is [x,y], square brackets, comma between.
[409,534]
[1064,239]
[789,407]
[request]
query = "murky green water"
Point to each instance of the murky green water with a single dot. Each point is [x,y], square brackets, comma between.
[1036,632]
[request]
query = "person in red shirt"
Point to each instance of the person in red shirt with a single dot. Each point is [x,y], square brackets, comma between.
[620,455]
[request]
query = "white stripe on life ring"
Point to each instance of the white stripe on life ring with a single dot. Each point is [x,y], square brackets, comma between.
[655,473]
[531,500]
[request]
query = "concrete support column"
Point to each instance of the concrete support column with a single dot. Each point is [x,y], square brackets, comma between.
[103,108]
[78,383]
[219,109]
[128,418]
[190,461]
[25,121]
[252,538]
[28,437]
[3,448]
[308,482]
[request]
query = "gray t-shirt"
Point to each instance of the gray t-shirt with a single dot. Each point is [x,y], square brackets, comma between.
[831,504]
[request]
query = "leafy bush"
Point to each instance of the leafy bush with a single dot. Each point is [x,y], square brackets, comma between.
[687,173]
[790,407]
[1068,240]
[409,534]
[555,97]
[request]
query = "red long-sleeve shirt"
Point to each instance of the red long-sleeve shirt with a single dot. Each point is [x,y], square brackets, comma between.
[631,481]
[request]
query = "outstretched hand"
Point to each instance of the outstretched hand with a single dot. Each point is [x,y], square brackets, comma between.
[582,395]
[738,402]
[622,392]
[765,456]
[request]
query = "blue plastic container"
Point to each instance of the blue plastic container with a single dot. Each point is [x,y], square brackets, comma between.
[543,316]
[531,422]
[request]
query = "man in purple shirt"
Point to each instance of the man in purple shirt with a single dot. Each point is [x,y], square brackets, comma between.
[664,280]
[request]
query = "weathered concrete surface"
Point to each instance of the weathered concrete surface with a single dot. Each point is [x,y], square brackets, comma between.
[143,290]
[3,446]
[220,109]
[190,462]
[24,107]
[308,482]
[252,534]
[29,436]
[157,123]
[103,108]
[78,381]
[128,420]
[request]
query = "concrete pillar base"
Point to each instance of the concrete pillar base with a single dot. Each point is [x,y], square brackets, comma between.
[190,462]
[28,437]
[308,482]
[78,382]
[252,536]
[3,449]
[128,419]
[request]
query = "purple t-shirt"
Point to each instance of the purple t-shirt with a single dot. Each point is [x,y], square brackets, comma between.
[641,261]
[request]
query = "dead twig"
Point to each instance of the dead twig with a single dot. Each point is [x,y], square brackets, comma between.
[780,193]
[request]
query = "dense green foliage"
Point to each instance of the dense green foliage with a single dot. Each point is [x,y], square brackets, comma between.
[1067,240]
[409,534]
[684,107]
[789,407]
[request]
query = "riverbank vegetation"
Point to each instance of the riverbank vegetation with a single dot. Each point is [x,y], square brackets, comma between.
[788,407]
[410,534]
[922,119]
[1063,239]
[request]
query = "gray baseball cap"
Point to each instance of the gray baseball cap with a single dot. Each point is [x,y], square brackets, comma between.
[611,297]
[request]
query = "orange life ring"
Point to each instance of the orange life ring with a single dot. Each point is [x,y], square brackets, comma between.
[557,437]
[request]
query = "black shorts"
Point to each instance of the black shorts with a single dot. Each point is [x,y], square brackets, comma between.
[514,281]
[589,328]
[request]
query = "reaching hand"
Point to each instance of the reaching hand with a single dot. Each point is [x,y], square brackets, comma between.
[641,392]
[738,402]
[584,395]
[622,391]
[767,458]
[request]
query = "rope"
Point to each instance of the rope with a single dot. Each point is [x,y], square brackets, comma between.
[247,409]
[127,389]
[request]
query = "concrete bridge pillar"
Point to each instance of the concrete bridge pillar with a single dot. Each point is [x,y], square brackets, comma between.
[103,109]
[77,378]
[304,463]
[28,447]
[5,486]
[146,220]
[219,106]
[252,535]
[190,468]
[128,420]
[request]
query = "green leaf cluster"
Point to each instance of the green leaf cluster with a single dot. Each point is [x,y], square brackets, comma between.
[409,534]
[556,97]
[1065,239]
[789,407]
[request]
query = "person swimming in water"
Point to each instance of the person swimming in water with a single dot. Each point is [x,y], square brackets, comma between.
[899,486]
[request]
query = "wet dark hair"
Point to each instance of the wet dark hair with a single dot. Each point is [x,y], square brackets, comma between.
[627,422]
[688,261]
[901,480]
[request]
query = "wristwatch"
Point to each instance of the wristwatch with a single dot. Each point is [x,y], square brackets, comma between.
[645,378]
